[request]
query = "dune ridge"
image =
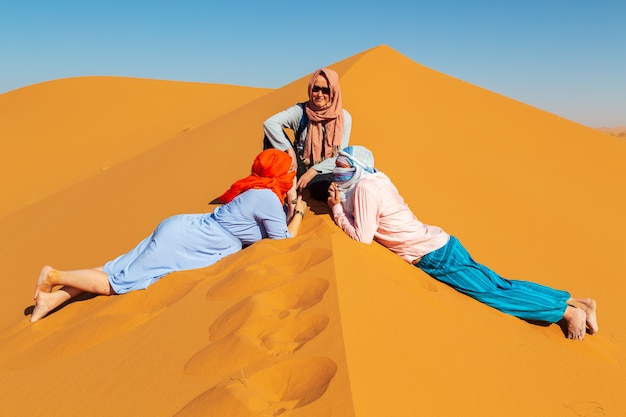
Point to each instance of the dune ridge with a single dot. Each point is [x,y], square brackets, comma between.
[322,325]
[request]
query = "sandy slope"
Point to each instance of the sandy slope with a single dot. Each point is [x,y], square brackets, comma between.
[321,325]
[61,132]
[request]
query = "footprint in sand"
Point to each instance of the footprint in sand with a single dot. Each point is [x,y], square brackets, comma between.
[274,269]
[586,409]
[270,392]
[265,325]
[261,311]
[237,350]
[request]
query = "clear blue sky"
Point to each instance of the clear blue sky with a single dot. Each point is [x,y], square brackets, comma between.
[564,56]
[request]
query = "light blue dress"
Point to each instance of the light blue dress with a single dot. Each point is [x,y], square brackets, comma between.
[191,241]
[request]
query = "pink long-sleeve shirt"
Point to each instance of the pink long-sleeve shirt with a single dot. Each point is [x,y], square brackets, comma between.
[381,214]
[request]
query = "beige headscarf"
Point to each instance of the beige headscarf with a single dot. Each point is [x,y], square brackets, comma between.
[319,143]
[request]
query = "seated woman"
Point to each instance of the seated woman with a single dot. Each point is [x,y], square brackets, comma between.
[367,206]
[321,127]
[253,210]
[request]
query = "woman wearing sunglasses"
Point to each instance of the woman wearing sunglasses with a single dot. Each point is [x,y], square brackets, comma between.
[321,128]
[367,206]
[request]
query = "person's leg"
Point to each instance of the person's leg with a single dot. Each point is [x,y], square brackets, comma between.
[302,168]
[48,301]
[526,300]
[73,283]
[318,186]
[453,265]
[588,305]
[92,280]
[574,320]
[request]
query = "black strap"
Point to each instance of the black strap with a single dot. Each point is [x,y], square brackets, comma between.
[304,121]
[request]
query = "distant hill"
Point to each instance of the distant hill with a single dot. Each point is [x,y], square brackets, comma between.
[619,131]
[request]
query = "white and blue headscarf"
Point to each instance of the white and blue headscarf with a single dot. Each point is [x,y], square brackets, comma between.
[361,161]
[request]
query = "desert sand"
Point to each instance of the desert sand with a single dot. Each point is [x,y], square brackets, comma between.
[318,325]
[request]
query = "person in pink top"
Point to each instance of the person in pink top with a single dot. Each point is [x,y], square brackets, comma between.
[367,207]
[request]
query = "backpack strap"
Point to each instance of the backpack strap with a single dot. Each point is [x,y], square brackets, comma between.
[304,121]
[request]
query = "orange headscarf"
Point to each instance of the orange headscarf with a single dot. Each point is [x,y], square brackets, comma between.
[269,170]
[320,144]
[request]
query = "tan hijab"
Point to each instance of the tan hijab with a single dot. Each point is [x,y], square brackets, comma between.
[320,144]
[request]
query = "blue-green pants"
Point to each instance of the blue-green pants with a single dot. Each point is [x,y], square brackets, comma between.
[453,265]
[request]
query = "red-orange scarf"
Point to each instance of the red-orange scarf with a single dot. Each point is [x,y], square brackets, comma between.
[269,170]
[319,145]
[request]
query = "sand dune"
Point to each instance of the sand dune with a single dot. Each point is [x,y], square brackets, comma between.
[618,131]
[64,131]
[318,325]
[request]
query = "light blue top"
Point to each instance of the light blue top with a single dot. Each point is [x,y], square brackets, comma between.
[252,216]
[290,119]
[191,241]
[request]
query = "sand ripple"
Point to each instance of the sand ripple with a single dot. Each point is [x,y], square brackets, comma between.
[270,392]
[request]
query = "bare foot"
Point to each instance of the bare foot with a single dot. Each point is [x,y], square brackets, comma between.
[46,302]
[43,283]
[575,322]
[588,305]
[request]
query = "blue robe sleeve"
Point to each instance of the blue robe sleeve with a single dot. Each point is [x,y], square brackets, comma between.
[269,211]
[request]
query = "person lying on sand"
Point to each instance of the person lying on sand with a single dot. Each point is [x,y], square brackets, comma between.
[367,206]
[253,210]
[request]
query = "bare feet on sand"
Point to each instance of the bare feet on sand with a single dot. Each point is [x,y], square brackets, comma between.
[574,320]
[588,305]
[43,283]
[46,302]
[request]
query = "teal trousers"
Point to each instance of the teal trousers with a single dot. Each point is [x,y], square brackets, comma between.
[453,265]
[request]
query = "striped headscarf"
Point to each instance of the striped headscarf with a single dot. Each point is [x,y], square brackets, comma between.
[361,162]
[270,169]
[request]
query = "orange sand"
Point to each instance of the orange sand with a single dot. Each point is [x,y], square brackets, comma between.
[319,325]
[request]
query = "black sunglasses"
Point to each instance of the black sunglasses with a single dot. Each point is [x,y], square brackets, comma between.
[324,90]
